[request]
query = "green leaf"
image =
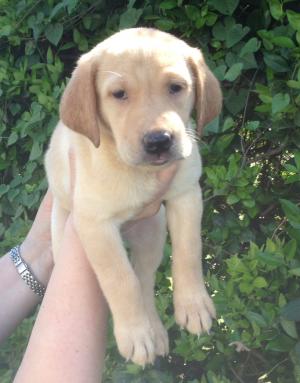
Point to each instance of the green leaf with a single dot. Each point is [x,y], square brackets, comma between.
[226,7]
[233,167]
[58,7]
[292,212]
[293,84]
[228,124]
[213,126]
[168,4]
[249,203]
[13,137]
[260,282]
[283,41]
[257,318]
[220,71]
[246,287]
[71,5]
[297,159]
[131,3]
[297,350]
[290,249]
[194,14]
[232,199]
[252,125]
[276,62]
[282,343]
[80,40]
[3,189]
[130,18]
[49,56]
[276,9]
[291,310]
[294,19]
[36,151]
[54,32]
[270,259]
[234,72]
[219,31]
[211,19]
[164,24]
[6,30]
[235,101]
[295,271]
[279,102]
[235,34]
[251,46]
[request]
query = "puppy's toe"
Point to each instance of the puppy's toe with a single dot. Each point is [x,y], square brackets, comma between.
[136,342]
[161,339]
[194,311]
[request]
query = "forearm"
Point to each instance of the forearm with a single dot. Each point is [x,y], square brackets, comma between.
[68,340]
[17,299]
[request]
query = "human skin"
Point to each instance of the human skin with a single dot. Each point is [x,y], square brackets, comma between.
[17,300]
[67,343]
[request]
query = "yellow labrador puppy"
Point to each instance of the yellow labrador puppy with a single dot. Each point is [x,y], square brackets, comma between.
[125,115]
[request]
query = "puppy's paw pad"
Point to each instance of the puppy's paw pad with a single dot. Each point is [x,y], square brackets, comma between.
[194,312]
[136,343]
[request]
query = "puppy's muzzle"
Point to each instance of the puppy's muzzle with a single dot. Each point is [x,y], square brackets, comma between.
[157,142]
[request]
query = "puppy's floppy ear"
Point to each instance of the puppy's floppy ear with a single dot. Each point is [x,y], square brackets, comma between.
[79,105]
[208,96]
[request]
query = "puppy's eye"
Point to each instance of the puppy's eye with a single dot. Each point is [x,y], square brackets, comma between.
[120,94]
[175,88]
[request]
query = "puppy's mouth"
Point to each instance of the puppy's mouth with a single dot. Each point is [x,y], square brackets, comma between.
[160,159]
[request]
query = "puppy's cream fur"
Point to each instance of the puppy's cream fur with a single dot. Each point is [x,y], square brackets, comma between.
[115,178]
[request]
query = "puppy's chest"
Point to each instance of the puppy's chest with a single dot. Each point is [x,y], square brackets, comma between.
[116,195]
[121,193]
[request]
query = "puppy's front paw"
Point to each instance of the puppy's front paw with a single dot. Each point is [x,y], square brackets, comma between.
[194,310]
[136,342]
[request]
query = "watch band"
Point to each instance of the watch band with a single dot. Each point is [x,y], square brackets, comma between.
[25,272]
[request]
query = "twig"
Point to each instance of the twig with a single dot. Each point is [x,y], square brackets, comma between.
[267,210]
[28,13]
[236,375]
[274,368]
[282,223]
[271,152]
[244,116]
[213,248]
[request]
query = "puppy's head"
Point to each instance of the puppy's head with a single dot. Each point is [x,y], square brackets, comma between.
[139,87]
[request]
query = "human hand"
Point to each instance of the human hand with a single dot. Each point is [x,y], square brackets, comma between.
[36,247]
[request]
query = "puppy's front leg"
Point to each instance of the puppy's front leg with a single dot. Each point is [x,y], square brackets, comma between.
[194,308]
[104,248]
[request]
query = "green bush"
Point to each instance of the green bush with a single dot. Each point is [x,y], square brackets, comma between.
[251,178]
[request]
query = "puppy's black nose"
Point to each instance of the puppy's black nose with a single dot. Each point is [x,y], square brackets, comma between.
[157,142]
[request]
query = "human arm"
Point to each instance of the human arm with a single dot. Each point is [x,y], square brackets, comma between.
[17,300]
[68,340]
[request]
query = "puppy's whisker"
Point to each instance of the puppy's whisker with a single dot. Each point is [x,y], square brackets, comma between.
[192,134]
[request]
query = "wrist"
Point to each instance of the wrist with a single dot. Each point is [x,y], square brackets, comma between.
[38,256]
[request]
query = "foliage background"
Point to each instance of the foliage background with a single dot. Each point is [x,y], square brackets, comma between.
[251,170]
